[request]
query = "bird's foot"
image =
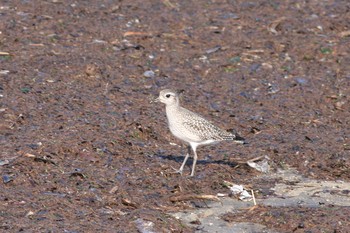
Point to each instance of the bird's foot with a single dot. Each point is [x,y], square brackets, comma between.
[179,171]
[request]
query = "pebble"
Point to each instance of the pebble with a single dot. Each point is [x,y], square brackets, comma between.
[149,74]
[301,80]
[6,178]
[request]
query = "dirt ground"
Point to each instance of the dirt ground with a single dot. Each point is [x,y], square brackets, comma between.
[84,150]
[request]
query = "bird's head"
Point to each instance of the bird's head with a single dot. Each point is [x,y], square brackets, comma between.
[169,97]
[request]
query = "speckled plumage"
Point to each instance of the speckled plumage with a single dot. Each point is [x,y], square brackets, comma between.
[191,127]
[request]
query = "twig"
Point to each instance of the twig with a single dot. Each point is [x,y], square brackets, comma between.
[106,90]
[193,196]
[254,201]
[114,189]
[256,159]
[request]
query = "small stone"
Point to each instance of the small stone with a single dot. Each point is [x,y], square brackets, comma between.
[254,67]
[301,80]
[213,50]
[4,162]
[4,72]
[149,74]
[6,178]
[272,88]
[215,107]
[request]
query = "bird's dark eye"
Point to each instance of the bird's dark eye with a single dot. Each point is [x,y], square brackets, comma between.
[167,95]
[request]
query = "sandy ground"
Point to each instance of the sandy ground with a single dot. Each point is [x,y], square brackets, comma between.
[84,150]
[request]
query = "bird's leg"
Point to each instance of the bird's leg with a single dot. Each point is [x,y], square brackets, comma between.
[185,160]
[194,160]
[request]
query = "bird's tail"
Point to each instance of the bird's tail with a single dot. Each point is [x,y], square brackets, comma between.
[240,140]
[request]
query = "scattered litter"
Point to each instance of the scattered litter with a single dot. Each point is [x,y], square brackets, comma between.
[204,59]
[136,34]
[346,147]
[4,162]
[325,50]
[213,50]
[97,41]
[188,197]
[30,155]
[339,105]
[235,59]
[125,44]
[30,213]
[4,72]
[25,90]
[230,69]
[272,88]
[300,80]
[35,146]
[169,4]
[267,65]
[37,45]
[114,189]
[240,192]
[127,202]
[221,195]
[54,194]
[7,178]
[260,163]
[255,130]
[144,226]
[344,34]
[44,159]
[78,173]
[254,201]
[273,26]
[254,67]
[132,22]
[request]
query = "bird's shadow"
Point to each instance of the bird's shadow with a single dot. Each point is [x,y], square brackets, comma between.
[180,159]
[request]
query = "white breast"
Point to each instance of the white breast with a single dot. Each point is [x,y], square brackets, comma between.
[176,127]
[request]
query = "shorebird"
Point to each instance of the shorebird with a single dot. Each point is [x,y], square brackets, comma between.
[191,127]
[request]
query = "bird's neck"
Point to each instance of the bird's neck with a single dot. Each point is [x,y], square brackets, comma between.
[172,109]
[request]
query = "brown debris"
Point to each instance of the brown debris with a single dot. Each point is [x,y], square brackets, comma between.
[114,189]
[344,34]
[126,34]
[188,197]
[273,26]
[127,202]
[72,78]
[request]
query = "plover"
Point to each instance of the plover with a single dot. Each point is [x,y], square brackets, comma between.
[191,127]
